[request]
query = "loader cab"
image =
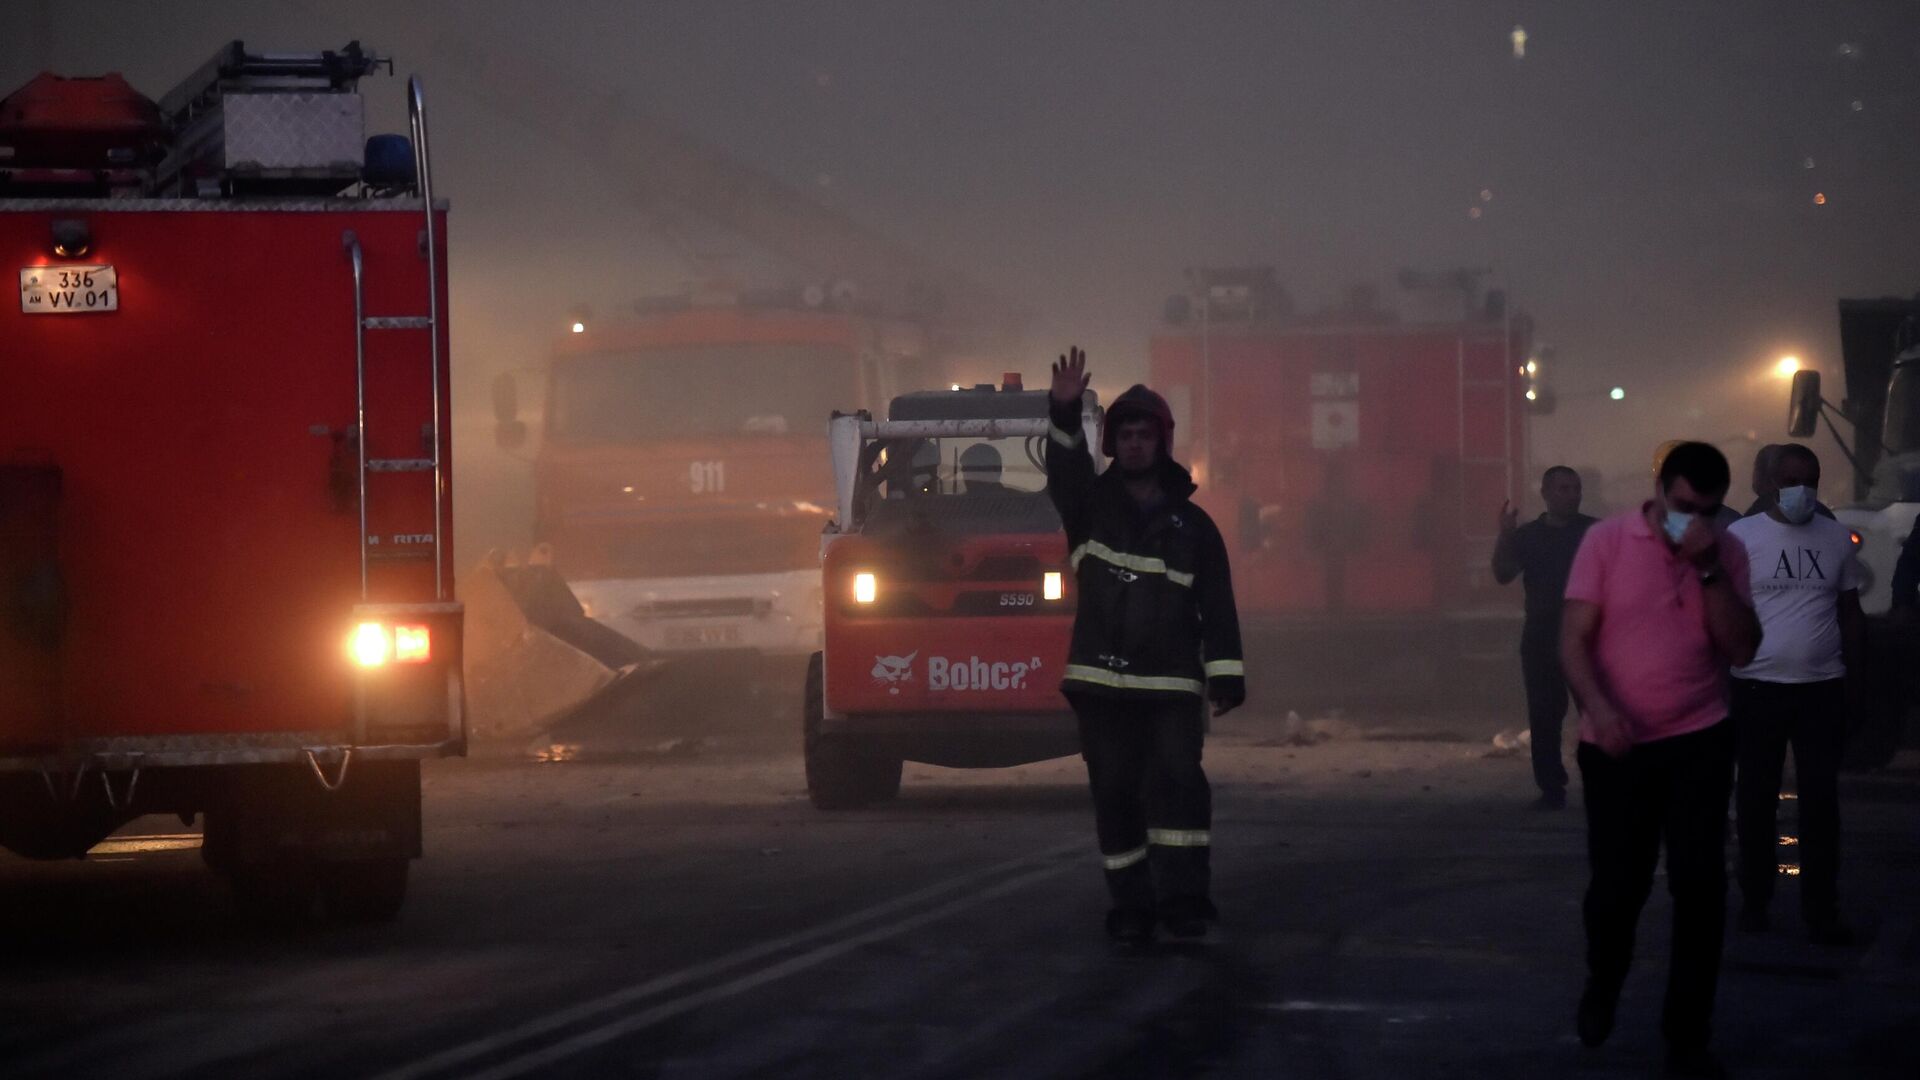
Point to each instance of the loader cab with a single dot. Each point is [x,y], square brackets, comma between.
[971,482]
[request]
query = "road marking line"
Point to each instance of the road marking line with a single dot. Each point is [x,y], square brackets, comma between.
[646,1018]
[589,1009]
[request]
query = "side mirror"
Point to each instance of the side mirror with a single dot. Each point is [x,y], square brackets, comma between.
[1803,404]
[506,399]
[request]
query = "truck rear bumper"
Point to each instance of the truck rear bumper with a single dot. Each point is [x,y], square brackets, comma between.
[123,753]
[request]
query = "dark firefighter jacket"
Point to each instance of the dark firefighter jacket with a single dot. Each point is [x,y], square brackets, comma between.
[1156,613]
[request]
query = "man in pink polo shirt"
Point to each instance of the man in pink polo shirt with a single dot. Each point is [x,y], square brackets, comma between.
[1657,609]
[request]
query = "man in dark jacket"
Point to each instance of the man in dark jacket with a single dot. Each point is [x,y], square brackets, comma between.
[1155,637]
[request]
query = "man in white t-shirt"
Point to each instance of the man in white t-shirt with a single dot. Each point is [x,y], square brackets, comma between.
[1806,590]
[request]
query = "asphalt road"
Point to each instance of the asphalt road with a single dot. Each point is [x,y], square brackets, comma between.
[657,907]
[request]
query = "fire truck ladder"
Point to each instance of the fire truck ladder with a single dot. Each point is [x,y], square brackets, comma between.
[430,322]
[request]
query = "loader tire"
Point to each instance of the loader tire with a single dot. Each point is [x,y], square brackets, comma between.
[843,772]
[365,890]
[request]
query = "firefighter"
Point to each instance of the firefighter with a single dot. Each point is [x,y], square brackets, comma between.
[1155,637]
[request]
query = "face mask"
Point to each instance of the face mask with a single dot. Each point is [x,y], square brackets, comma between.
[1676,524]
[1796,504]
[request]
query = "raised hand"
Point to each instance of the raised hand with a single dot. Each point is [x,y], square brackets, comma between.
[1070,376]
[1509,517]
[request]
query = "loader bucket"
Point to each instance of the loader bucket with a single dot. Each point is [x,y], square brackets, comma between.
[523,678]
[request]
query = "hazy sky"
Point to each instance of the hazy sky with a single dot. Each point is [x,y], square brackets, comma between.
[1652,204]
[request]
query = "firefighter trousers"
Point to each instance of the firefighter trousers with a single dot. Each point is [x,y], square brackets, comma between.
[1152,805]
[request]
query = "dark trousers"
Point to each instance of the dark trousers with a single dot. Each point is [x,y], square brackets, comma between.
[1152,805]
[1813,717]
[1673,790]
[1546,707]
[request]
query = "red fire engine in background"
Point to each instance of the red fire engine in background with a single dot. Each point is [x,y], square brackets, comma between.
[224,568]
[1356,460]
[678,477]
[678,473]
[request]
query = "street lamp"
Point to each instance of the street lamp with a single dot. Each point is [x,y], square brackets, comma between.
[1618,393]
[1787,367]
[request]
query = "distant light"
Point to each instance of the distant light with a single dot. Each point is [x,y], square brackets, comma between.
[1807,164]
[1787,366]
[1533,367]
[956,386]
[1618,393]
[1474,213]
[579,328]
[1859,106]
[1819,198]
[1519,37]
[1533,395]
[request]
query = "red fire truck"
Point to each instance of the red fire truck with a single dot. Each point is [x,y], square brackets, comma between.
[679,477]
[224,567]
[948,602]
[1356,460]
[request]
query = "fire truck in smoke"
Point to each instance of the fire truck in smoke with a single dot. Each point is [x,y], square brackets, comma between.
[1355,460]
[679,479]
[678,474]
[224,561]
[948,605]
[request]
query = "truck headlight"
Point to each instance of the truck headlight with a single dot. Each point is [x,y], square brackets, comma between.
[1053,586]
[866,588]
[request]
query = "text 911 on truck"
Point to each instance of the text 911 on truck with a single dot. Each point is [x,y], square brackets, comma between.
[223,475]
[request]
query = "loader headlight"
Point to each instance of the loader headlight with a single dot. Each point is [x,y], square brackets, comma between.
[1053,586]
[866,588]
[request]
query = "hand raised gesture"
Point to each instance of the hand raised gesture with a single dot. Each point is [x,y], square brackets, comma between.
[1509,517]
[1070,376]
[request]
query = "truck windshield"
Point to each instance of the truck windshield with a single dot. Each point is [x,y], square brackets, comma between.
[700,391]
[919,468]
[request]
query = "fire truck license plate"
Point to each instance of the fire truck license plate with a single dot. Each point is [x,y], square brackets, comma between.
[703,635]
[68,290]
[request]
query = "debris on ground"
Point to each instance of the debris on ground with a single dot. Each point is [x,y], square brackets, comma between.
[531,655]
[1511,743]
[1295,731]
